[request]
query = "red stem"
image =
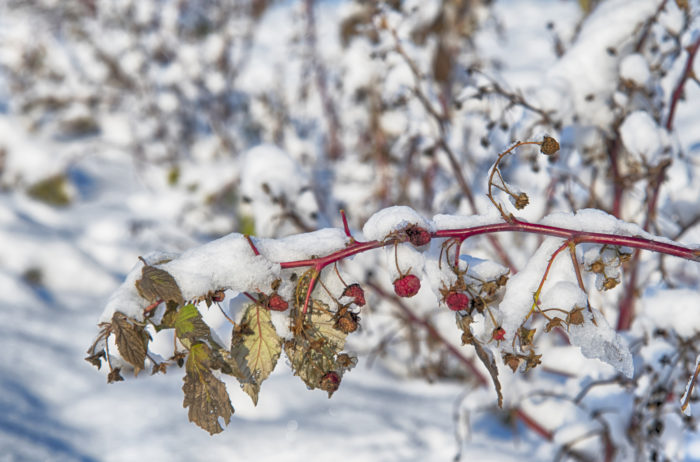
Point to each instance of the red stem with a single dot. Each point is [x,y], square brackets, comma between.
[678,91]
[575,236]
[345,224]
[534,425]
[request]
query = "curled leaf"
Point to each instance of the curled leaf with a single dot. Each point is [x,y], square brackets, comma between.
[131,339]
[157,284]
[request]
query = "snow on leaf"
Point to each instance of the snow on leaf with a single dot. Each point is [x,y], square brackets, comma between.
[131,340]
[392,219]
[598,340]
[205,395]
[256,343]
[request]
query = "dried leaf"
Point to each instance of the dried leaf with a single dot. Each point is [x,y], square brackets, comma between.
[315,351]
[157,284]
[526,336]
[575,316]
[205,395]
[255,345]
[96,359]
[512,361]
[115,376]
[160,367]
[487,359]
[131,339]
[552,323]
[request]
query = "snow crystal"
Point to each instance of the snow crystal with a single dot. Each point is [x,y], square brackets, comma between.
[389,220]
[564,295]
[641,135]
[518,298]
[303,246]
[226,263]
[486,270]
[601,342]
[598,221]
[634,68]
[445,222]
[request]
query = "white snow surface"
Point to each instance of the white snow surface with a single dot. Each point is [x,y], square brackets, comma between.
[392,219]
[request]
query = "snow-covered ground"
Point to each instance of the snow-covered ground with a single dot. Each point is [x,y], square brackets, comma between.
[59,266]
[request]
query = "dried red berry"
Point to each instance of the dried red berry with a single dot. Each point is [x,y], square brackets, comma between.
[277,303]
[218,296]
[329,382]
[457,301]
[356,292]
[498,333]
[417,236]
[407,286]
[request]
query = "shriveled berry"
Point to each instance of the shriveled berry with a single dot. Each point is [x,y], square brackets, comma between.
[356,292]
[549,146]
[277,303]
[218,296]
[521,201]
[457,301]
[407,286]
[329,382]
[417,236]
[347,323]
[498,333]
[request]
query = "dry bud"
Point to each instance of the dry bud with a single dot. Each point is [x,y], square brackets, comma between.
[549,146]
[521,201]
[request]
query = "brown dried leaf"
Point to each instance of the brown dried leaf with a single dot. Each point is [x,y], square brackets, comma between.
[315,351]
[96,359]
[575,316]
[526,336]
[157,284]
[205,395]
[512,361]
[487,360]
[131,339]
[554,322]
[115,376]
